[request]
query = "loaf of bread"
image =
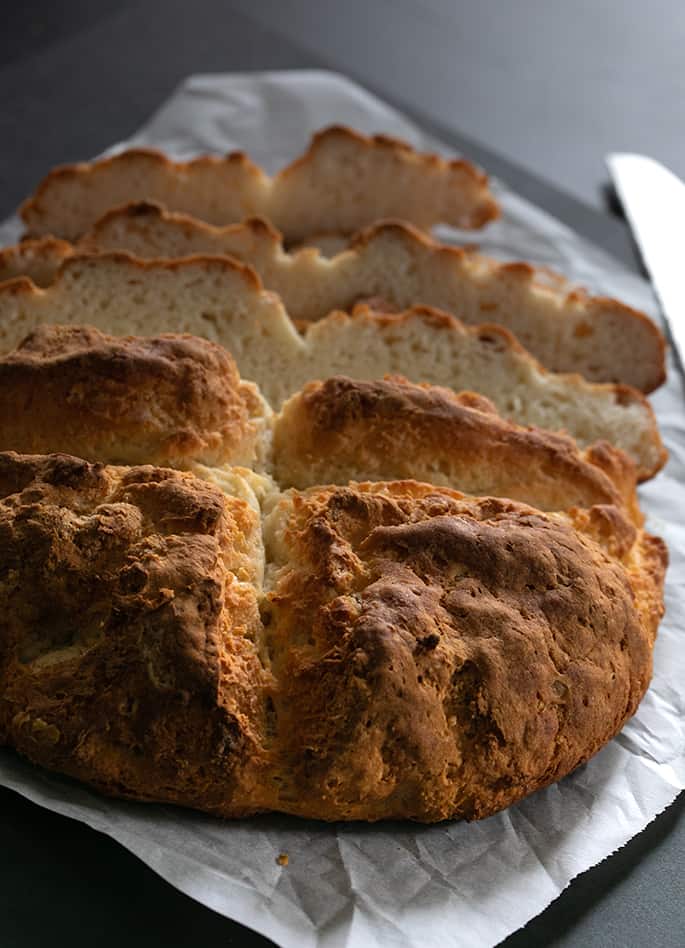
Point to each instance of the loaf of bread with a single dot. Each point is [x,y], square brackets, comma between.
[367,651]
[222,300]
[280,532]
[344,181]
[563,327]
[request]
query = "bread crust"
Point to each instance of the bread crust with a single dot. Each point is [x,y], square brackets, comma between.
[413,654]
[169,400]
[343,429]
[381,177]
[39,260]
[131,662]
[461,646]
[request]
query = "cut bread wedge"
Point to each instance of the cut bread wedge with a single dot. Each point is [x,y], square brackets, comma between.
[343,181]
[170,399]
[563,327]
[224,301]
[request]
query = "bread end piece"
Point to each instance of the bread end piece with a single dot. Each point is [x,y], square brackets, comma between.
[169,400]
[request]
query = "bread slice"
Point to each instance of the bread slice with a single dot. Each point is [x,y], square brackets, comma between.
[223,300]
[341,183]
[566,329]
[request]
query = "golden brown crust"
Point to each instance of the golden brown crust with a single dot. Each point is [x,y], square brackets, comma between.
[416,653]
[131,664]
[343,429]
[35,210]
[137,214]
[439,656]
[389,178]
[521,388]
[165,400]
[38,260]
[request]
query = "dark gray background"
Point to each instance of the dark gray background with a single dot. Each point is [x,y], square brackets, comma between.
[537,91]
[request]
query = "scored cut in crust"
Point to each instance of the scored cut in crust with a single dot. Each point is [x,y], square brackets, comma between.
[379,650]
[343,181]
[222,300]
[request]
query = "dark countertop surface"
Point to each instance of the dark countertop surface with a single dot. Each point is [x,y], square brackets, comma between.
[552,87]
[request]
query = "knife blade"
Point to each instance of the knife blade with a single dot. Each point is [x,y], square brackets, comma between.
[653,199]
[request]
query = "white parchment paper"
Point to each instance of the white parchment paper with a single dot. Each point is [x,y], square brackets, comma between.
[401,884]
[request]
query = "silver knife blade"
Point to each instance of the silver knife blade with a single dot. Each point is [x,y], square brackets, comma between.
[653,199]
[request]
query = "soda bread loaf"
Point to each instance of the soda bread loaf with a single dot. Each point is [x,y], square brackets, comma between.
[223,300]
[368,651]
[562,326]
[332,572]
[341,183]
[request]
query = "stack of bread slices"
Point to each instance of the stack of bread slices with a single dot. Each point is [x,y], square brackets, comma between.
[304,511]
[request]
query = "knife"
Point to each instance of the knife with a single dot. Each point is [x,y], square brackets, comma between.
[653,199]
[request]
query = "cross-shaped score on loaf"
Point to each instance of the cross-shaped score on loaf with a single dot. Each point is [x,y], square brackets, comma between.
[219,639]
